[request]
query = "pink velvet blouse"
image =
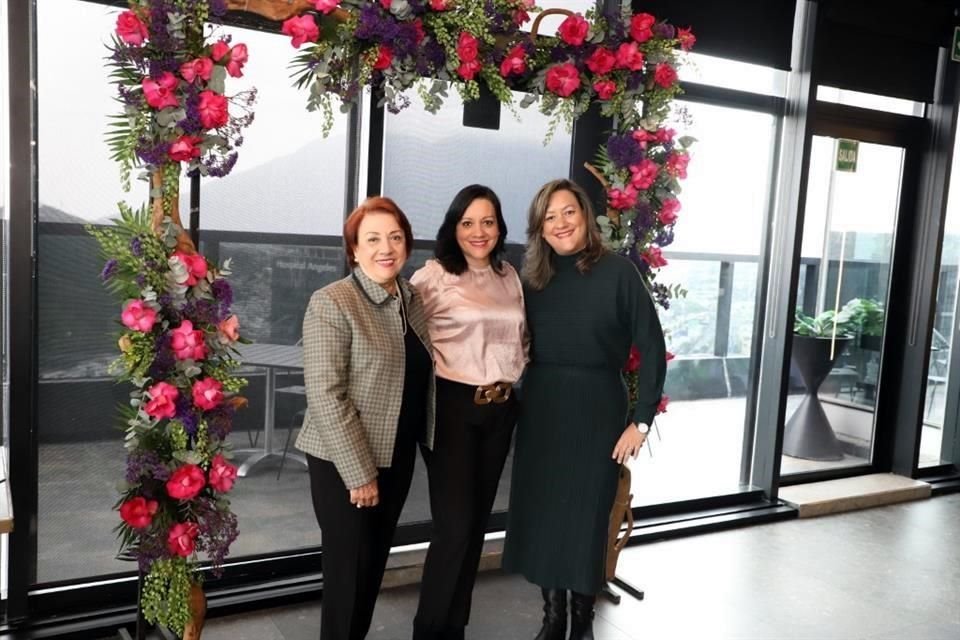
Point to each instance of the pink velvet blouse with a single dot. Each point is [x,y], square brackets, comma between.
[476,322]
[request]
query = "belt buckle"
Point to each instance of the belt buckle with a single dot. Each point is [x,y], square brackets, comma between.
[496,393]
[481,396]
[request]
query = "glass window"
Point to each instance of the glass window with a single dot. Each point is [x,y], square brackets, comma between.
[937,439]
[870,101]
[731,74]
[428,158]
[714,257]
[278,215]
[4,245]
[848,228]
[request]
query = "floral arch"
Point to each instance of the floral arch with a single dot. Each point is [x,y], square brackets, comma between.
[178,337]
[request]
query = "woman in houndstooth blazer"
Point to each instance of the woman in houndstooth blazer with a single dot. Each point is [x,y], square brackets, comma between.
[368,373]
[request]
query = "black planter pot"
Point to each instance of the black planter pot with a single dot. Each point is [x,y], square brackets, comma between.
[808,433]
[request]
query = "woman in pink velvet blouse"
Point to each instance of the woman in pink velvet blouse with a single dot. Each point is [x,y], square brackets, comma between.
[473,302]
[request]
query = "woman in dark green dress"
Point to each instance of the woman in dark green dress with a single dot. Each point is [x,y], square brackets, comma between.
[585,307]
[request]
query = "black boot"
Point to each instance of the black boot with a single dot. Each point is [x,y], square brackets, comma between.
[581,616]
[554,615]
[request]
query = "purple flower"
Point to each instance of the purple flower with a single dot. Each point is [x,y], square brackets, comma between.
[218,8]
[136,246]
[223,293]
[186,415]
[664,30]
[141,280]
[145,465]
[219,422]
[664,238]
[109,269]
[624,151]
[218,530]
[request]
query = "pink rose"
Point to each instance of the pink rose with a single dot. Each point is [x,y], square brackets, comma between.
[643,137]
[186,482]
[467,47]
[653,256]
[662,405]
[686,38]
[384,57]
[574,30]
[182,538]
[238,58]
[219,50]
[138,512]
[222,474]
[199,68]
[601,61]
[439,5]
[160,93]
[563,79]
[139,316]
[163,398]
[665,135]
[605,89]
[664,75]
[641,27]
[184,148]
[213,109]
[228,331]
[207,393]
[668,211]
[624,198]
[469,69]
[677,164]
[188,343]
[301,29]
[195,264]
[326,6]
[629,57]
[515,63]
[670,356]
[131,29]
[643,175]
[633,360]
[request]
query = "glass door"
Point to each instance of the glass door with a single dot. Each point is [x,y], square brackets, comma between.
[848,232]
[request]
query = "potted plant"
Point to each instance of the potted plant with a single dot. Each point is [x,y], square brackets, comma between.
[817,342]
[864,318]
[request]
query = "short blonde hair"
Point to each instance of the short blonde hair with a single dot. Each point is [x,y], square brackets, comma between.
[538,260]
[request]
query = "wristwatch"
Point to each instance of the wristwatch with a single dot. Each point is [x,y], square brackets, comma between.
[643,428]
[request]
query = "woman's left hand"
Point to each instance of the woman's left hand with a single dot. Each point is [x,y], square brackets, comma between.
[629,444]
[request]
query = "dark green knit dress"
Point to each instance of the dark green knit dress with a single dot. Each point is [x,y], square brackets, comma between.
[574,409]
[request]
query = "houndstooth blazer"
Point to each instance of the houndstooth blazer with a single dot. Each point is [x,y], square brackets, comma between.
[354,359]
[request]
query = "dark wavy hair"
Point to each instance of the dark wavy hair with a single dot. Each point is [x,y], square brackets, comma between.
[447,251]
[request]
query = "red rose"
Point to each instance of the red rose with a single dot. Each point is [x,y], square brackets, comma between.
[668,211]
[222,474]
[184,148]
[186,482]
[563,79]
[384,57]
[207,393]
[629,57]
[469,69]
[677,164]
[439,5]
[213,109]
[131,29]
[641,27]
[643,175]
[182,538]
[601,61]
[238,58]
[467,47]
[574,30]
[138,512]
[418,27]
[162,403]
[605,89]
[686,38]
[515,63]
[633,360]
[199,68]
[653,256]
[670,356]
[160,93]
[520,17]
[665,75]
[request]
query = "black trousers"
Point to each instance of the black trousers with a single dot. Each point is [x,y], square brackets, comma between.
[356,542]
[470,447]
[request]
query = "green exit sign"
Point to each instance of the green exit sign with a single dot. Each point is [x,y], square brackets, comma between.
[955,52]
[847,155]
